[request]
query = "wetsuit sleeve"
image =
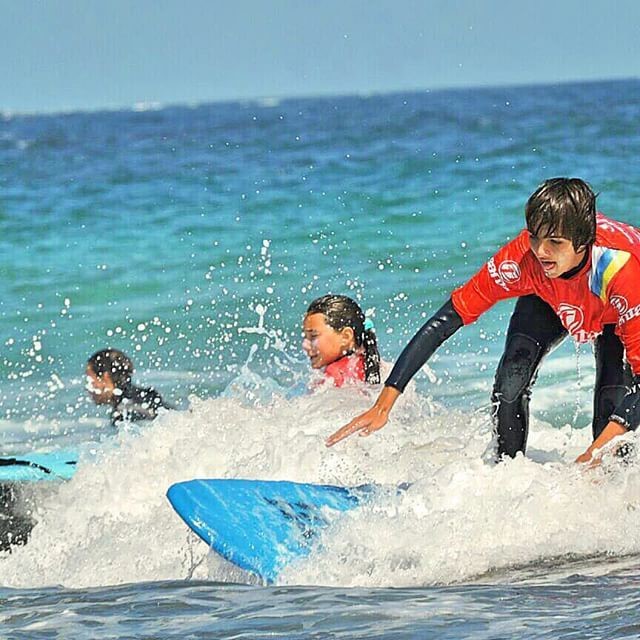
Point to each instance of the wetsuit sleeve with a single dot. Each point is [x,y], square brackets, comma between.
[624,297]
[627,413]
[443,324]
[505,275]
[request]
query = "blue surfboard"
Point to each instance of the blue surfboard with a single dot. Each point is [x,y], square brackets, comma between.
[262,525]
[55,465]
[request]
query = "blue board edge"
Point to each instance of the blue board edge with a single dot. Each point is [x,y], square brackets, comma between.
[35,466]
[180,495]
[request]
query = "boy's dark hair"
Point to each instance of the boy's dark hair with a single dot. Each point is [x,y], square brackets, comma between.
[340,312]
[115,363]
[564,207]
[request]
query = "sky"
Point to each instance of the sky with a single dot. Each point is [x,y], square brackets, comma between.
[66,55]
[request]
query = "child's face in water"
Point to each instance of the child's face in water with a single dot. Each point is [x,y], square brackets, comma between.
[323,344]
[101,388]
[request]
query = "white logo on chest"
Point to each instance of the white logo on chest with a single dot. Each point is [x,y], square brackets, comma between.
[571,317]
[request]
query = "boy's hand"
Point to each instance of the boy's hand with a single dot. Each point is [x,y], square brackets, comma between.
[366,423]
[369,421]
[611,431]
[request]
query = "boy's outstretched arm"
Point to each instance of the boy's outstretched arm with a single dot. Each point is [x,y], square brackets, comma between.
[443,324]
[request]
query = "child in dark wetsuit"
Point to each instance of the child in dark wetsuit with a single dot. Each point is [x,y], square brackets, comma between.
[339,340]
[109,374]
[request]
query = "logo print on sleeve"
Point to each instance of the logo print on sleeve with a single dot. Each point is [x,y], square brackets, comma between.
[510,271]
[629,232]
[507,273]
[620,304]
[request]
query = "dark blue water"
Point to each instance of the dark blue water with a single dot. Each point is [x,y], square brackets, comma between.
[573,608]
[194,239]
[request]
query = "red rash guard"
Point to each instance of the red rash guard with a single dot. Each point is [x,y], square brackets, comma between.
[605,291]
[346,369]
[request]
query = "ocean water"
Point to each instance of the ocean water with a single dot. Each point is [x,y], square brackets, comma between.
[193,238]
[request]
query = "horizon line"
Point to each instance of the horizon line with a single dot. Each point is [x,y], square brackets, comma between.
[272,100]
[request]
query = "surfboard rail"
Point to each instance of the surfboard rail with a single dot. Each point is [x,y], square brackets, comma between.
[262,525]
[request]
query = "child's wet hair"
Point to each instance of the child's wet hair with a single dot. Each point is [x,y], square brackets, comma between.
[114,362]
[564,207]
[340,312]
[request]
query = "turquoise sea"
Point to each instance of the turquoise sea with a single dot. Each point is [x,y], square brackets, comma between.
[193,238]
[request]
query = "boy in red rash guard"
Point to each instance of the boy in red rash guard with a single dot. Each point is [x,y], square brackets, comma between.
[339,340]
[574,272]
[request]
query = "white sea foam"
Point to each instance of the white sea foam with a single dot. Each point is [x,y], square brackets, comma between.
[462,517]
[147,106]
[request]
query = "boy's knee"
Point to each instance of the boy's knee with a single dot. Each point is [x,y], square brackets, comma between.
[517,368]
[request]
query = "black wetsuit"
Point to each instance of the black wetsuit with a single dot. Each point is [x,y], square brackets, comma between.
[533,331]
[16,520]
[137,403]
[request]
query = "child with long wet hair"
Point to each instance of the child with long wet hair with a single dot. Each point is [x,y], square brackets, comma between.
[341,341]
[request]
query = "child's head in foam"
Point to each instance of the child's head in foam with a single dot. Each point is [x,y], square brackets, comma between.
[340,340]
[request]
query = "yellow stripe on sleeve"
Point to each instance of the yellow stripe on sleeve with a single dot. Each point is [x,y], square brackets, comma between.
[615,265]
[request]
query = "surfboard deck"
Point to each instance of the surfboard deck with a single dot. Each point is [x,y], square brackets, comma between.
[262,525]
[33,467]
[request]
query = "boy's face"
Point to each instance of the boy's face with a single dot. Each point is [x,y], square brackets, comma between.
[101,388]
[555,253]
